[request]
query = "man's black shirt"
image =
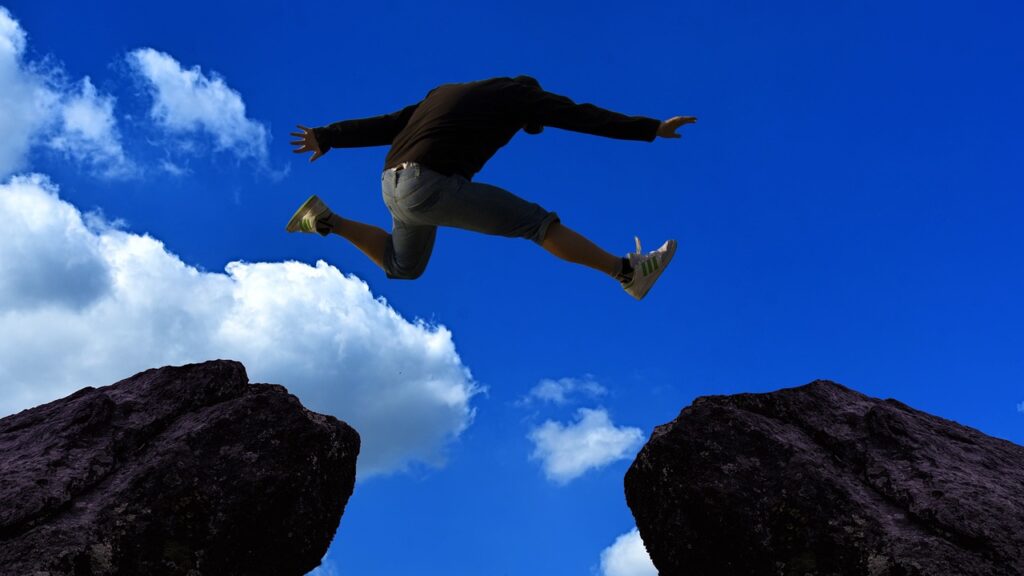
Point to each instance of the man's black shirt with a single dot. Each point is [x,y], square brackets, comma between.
[456,128]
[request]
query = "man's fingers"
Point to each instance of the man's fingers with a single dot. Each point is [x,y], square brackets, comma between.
[299,134]
[306,128]
[298,143]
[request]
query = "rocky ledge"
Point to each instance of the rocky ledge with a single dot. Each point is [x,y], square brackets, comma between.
[821,480]
[177,470]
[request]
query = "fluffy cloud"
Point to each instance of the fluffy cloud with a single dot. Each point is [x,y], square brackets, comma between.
[48,257]
[25,97]
[627,557]
[88,133]
[83,303]
[187,101]
[39,106]
[562,390]
[567,451]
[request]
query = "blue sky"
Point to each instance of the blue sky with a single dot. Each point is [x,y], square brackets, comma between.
[847,207]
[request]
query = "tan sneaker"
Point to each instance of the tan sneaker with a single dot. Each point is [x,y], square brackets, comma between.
[305,218]
[647,268]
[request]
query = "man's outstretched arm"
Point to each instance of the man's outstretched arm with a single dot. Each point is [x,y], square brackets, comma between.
[374,131]
[558,111]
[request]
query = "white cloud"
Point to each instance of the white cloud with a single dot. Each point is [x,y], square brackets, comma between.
[561,391]
[48,257]
[172,168]
[568,451]
[186,101]
[1020,407]
[26,99]
[88,133]
[83,303]
[326,568]
[39,106]
[12,37]
[627,557]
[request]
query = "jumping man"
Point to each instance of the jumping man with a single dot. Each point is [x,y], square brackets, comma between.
[439,143]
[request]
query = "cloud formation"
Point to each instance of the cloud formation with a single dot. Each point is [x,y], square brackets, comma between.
[39,107]
[563,390]
[567,451]
[187,101]
[88,133]
[326,568]
[627,557]
[25,98]
[84,303]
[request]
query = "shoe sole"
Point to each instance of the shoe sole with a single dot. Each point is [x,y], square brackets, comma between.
[669,253]
[293,224]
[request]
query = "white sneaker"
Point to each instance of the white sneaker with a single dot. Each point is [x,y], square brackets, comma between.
[304,219]
[647,268]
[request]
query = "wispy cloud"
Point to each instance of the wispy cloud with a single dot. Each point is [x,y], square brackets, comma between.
[627,556]
[186,101]
[88,133]
[563,390]
[86,303]
[172,168]
[25,99]
[567,451]
[40,107]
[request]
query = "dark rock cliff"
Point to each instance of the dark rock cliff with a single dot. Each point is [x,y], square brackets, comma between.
[822,480]
[177,470]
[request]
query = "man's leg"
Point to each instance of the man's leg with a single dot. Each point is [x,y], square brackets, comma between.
[402,254]
[371,240]
[493,210]
[571,246]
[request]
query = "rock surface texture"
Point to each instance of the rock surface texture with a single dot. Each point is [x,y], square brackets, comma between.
[822,480]
[177,470]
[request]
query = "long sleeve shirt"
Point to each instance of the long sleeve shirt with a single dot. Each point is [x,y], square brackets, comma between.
[456,128]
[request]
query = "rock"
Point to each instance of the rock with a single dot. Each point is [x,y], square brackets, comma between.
[178,470]
[822,480]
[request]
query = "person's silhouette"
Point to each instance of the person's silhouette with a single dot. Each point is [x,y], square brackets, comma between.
[439,143]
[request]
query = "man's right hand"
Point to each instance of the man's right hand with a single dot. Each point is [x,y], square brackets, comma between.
[668,127]
[307,143]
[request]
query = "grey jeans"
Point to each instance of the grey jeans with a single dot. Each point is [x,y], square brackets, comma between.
[420,200]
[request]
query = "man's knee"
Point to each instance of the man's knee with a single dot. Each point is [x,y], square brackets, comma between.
[400,273]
